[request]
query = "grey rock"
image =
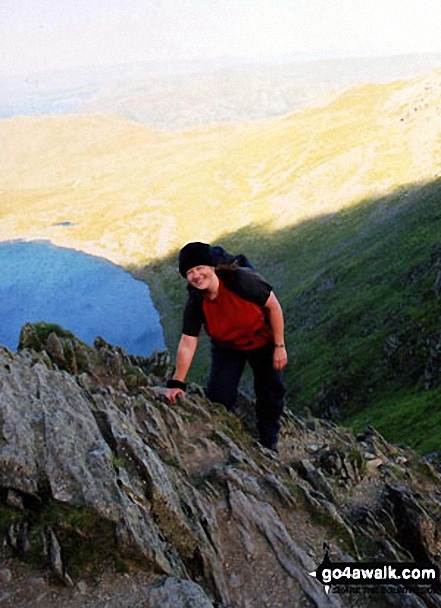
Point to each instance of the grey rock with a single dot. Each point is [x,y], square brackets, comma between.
[37,582]
[179,493]
[409,601]
[416,528]
[28,338]
[5,576]
[315,477]
[82,587]
[14,499]
[54,349]
[56,562]
[256,515]
[59,444]
[177,593]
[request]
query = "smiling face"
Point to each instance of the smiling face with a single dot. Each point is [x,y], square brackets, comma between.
[203,277]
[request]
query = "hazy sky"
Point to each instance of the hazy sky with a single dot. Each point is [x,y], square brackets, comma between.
[36,35]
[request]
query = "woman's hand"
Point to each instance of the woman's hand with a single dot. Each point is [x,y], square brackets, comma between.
[275,315]
[280,358]
[173,393]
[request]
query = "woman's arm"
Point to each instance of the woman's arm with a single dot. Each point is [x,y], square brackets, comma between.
[184,356]
[275,315]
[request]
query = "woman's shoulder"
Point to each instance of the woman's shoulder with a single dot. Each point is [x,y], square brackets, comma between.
[246,283]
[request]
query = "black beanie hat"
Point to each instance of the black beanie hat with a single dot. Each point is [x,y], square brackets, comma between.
[195,254]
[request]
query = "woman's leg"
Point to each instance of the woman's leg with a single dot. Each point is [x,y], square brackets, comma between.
[270,391]
[227,366]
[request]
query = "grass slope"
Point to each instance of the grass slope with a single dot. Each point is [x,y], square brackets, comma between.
[363,315]
[361,291]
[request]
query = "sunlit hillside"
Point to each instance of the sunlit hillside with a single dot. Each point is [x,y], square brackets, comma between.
[121,190]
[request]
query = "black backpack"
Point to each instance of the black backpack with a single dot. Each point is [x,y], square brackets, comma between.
[223,257]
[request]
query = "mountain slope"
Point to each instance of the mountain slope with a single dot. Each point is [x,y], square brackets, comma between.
[337,205]
[361,294]
[112,178]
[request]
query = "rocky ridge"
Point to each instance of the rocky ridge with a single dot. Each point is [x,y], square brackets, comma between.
[113,497]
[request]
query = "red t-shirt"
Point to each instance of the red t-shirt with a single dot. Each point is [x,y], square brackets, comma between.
[234,322]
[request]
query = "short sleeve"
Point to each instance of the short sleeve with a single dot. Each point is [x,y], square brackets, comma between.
[193,316]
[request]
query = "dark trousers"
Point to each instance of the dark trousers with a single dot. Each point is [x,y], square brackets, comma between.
[227,366]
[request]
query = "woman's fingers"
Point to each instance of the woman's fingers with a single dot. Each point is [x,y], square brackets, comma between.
[280,358]
[172,393]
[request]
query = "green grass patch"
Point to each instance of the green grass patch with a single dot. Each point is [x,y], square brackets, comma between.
[410,418]
[44,330]
[87,541]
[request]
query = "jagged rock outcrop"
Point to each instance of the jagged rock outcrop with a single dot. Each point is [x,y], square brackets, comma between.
[96,465]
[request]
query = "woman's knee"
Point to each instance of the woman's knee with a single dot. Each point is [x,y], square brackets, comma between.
[270,388]
[226,371]
[224,394]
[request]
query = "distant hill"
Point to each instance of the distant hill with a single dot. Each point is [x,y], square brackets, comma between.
[337,204]
[188,94]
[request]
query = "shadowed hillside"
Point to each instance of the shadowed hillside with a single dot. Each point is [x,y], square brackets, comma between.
[361,292]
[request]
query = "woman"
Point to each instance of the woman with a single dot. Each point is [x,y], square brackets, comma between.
[244,319]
